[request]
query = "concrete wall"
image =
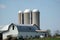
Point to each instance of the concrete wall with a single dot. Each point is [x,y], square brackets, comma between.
[27,16]
[20,17]
[36,17]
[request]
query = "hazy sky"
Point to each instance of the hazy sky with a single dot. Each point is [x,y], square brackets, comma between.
[49,12]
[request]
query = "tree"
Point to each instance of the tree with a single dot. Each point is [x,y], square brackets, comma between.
[57,33]
[49,32]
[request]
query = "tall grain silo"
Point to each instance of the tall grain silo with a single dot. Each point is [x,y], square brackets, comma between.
[21,17]
[36,17]
[27,16]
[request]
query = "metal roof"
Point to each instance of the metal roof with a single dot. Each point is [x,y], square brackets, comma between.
[21,27]
[26,28]
[20,11]
[4,28]
[24,24]
[41,30]
[27,11]
[35,10]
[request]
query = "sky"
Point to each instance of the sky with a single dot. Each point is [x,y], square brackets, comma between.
[49,12]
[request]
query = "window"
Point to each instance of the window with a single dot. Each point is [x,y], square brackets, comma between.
[29,28]
[26,36]
[13,27]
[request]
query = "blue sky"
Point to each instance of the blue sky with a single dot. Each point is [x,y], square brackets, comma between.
[49,12]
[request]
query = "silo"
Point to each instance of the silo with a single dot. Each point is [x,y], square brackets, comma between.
[21,17]
[27,16]
[36,17]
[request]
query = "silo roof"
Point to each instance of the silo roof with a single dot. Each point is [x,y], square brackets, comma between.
[19,11]
[35,10]
[27,11]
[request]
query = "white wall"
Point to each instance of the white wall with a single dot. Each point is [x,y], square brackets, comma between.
[16,33]
[29,34]
[11,32]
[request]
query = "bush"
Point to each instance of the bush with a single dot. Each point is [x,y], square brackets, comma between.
[37,36]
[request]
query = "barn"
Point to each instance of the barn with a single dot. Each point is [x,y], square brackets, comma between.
[21,30]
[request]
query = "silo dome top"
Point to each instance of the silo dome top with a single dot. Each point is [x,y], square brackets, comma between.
[19,11]
[27,11]
[35,10]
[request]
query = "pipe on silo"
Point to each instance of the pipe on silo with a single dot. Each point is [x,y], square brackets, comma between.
[27,16]
[36,17]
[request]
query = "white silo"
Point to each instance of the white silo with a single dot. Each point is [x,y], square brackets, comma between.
[20,17]
[27,13]
[36,17]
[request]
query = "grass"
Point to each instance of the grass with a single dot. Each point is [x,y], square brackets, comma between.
[44,39]
[47,38]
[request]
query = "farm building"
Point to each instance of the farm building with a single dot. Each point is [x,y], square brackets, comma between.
[27,30]
[29,26]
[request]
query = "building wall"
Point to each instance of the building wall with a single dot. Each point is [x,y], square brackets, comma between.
[25,34]
[15,33]
[29,34]
[11,32]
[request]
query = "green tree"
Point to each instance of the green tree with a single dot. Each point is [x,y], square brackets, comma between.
[49,32]
[57,33]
